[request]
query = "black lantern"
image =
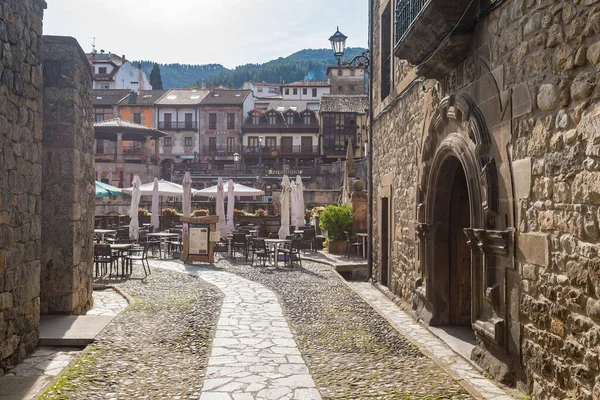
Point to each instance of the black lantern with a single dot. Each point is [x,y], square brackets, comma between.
[338,44]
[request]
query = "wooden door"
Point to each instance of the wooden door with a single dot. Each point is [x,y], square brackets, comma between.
[306,145]
[286,144]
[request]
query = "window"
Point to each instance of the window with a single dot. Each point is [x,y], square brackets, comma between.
[167,142]
[259,90]
[272,119]
[231,145]
[271,142]
[212,144]
[188,141]
[103,113]
[188,121]
[102,70]
[230,121]
[212,121]
[304,91]
[295,91]
[352,72]
[272,90]
[386,52]
[337,130]
[99,146]
[167,120]
[287,91]
[340,72]
[314,92]
[307,119]
[137,118]
[253,142]
[340,89]
[352,88]
[290,119]
[255,119]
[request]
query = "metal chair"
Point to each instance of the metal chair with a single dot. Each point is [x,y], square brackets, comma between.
[308,239]
[291,252]
[259,250]
[139,254]
[239,242]
[103,256]
[350,244]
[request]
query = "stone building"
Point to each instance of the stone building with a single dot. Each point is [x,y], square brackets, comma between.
[46,190]
[486,180]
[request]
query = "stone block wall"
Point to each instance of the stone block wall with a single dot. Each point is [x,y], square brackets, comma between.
[20,177]
[533,71]
[67,179]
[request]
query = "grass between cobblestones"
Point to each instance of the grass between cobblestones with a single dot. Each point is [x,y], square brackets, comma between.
[350,350]
[157,349]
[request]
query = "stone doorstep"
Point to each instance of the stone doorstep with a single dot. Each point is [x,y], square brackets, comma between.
[71,330]
[22,387]
[358,270]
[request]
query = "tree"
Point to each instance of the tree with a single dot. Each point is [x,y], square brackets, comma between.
[155,78]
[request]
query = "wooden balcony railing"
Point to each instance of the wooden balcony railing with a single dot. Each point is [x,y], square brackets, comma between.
[177,126]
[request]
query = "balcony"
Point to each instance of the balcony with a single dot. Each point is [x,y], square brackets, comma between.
[282,151]
[435,35]
[221,150]
[178,126]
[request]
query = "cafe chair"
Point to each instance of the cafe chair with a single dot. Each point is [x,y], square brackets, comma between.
[139,253]
[290,252]
[239,242]
[260,251]
[103,256]
[352,244]
[309,240]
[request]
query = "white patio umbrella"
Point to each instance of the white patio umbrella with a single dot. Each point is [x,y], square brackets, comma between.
[154,220]
[134,225]
[238,190]
[293,199]
[299,195]
[187,194]
[230,205]
[221,225]
[165,188]
[285,208]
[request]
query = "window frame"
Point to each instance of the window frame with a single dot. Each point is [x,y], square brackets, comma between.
[230,121]
[167,141]
[212,121]
[188,141]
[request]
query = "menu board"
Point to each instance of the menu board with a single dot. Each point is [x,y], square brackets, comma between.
[198,239]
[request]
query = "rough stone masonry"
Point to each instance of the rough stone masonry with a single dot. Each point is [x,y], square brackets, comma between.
[21,176]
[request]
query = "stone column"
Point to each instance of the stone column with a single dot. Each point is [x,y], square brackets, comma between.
[119,147]
[67,179]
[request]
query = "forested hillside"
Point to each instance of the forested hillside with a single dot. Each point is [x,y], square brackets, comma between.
[309,64]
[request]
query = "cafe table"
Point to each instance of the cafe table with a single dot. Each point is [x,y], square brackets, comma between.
[103,232]
[275,244]
[163,236]
[121,248]
[363,237]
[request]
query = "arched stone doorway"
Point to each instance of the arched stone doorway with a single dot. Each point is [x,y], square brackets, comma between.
[452,266]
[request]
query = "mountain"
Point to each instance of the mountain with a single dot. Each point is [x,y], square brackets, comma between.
[182,75]
[308,64]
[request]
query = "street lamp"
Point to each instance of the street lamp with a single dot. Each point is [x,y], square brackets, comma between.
[260,166]
[338,45]
[236,161]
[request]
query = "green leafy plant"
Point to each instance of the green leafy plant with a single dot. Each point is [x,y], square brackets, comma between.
[142,212]
[335,220]
[316,211]
[200,213]
[170,211]
[261,212]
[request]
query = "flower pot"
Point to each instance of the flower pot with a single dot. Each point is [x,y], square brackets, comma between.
[337,247]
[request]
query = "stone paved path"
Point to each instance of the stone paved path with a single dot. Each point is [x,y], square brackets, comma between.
[454,364]
[254,355]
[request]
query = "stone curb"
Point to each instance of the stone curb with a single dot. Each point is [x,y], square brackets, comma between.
[130,300]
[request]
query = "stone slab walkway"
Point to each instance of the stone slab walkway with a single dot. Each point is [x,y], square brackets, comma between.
[254,355]
[460,369]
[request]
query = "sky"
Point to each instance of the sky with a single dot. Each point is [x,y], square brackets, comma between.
[227,32]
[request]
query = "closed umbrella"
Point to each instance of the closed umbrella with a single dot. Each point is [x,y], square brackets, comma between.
[293,199]
[110,176]
[98,173]
[230,205]
[187,194]
[299,193]
[221,225]
[134,225]
[155,201]
[284,230]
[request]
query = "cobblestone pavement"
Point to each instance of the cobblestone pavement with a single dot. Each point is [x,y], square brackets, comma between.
[350,350]
[108,303]
[254,354]
[157,349]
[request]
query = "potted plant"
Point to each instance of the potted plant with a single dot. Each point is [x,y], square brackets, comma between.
[335,220]
[142,212]
[316,214]
[200,213]
[261,212]
[237,213]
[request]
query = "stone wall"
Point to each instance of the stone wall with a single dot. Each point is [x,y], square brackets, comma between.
[68,179]
[533,74]
[20,145]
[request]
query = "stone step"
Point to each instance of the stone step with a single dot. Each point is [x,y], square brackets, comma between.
[71,330]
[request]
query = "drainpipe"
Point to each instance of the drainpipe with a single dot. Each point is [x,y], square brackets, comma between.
[370,150]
